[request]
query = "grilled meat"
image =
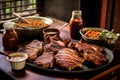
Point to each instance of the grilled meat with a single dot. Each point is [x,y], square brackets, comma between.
[54,46]
[91,53]
[67,42]
[94,56]
[46,60]
[68,58]
[70,55]
[79,46]
[33,49]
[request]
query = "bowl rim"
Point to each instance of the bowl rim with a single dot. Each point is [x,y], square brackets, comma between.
[48,21]
[87,28]
[17,53]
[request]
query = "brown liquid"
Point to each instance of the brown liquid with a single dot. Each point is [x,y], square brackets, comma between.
[51,34]
[75,26]
[9,39]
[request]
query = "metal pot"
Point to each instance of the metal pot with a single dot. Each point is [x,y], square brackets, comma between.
[30,33]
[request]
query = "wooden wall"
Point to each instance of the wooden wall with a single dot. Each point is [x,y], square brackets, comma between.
[115,24]
[116,16]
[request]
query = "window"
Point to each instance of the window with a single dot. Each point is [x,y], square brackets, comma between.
[24,7]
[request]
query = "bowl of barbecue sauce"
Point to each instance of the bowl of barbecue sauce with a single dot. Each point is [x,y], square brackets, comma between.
[17,60]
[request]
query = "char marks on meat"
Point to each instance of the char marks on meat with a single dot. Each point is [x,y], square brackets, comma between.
[33,49]
[54,46]
[91,53]
[68,58]
[70,55]
[46,60]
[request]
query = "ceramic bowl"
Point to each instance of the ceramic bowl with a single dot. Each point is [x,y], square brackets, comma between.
[89,38]
[17,60]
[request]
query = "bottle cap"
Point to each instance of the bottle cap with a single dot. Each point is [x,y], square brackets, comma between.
[76,12]
[9,24]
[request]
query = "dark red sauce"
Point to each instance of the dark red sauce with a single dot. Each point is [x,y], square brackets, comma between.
[75,26]
[9,39]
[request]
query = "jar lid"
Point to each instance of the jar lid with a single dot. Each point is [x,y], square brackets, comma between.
[76,12]
[9,24]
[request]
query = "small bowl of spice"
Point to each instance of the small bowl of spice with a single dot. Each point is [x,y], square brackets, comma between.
[17,60]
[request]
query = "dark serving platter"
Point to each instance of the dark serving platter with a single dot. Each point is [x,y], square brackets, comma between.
[107,52]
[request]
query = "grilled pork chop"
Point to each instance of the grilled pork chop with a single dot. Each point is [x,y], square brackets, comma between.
[46,60]
[91,53]
[33,49]
[68,58]
[54,46]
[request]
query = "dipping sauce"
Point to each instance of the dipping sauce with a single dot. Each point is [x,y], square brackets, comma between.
[16,58]
[51,34]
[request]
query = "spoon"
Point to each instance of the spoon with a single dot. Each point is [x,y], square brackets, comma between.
[5,54]
[60,28]
[20,17]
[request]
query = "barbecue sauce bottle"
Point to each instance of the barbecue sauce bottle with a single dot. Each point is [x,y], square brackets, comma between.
[75,24]
[9,36]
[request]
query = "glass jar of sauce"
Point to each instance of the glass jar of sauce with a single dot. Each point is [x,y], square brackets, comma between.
[75,24]
[9,36]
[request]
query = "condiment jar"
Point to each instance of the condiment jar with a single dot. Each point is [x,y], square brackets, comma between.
[75,24]
[9,36]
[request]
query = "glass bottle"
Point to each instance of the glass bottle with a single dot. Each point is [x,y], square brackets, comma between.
[75,24]
[9,36]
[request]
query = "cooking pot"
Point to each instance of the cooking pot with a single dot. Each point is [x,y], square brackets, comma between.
[30,33]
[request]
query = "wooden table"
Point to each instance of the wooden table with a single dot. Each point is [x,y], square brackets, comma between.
[31,74]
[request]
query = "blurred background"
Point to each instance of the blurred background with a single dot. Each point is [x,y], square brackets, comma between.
[98,13]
